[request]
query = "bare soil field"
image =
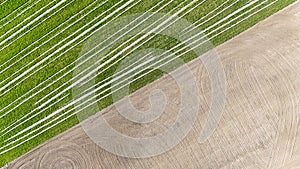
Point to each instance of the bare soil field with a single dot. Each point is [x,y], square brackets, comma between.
[258,129]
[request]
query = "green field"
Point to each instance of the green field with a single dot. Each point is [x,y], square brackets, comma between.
[33,34]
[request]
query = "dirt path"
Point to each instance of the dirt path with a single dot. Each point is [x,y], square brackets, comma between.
[259,128]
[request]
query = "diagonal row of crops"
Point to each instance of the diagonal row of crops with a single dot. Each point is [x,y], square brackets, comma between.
[40,41]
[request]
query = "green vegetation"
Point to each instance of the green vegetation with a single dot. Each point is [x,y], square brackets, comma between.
[42,36]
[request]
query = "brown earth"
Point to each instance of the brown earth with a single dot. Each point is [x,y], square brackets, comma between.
[259,127]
